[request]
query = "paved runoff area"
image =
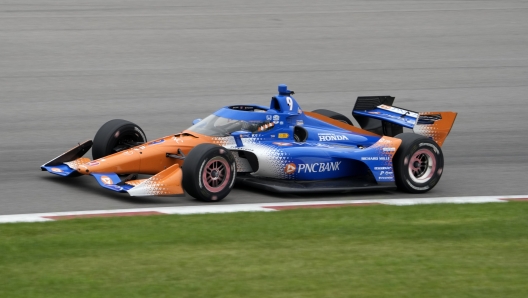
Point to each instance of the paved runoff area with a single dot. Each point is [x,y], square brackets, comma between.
[262,207]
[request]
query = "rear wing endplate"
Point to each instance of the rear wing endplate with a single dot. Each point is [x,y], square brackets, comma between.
[377,114]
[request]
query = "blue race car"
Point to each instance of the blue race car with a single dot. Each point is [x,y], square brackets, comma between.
[278,148]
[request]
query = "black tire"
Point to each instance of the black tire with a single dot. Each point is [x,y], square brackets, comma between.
[116,135]
[202,172]
[334,115]
[418,163]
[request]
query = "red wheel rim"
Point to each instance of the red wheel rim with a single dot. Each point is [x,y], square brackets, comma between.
[216,174]
[422,166]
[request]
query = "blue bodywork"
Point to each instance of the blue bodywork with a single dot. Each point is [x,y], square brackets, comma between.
[326,152]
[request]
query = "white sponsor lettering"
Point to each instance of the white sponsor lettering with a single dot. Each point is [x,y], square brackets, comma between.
[375,158]
[369,158]
[319,167]
[392,149]
[432,146]
[382,168]
[398,111]
[385,178]
[323,137]
[276,117]
[416,187]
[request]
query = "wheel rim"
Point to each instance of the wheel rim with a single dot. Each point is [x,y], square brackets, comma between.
[422,166]
[216,174]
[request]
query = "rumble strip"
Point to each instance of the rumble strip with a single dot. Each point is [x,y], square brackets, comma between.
[260,207]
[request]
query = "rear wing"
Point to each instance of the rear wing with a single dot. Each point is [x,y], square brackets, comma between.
[378,115]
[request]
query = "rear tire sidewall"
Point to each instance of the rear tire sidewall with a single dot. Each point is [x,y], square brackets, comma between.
[110,134]
[196,164]
[413,144]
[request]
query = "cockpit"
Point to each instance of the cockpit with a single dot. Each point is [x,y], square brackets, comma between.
[217,126]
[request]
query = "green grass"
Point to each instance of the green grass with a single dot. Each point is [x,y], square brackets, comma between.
[376,251]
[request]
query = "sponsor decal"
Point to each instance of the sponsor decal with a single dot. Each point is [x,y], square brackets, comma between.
[282,144]
[386,178]
[178,140]
[375,113]
[281,123]
[319,167]
[115,187]
[375,158]
[386,173]
[324,137]
[416,187]
[430,145]
[128,152]
[398,111]
[243,108]
[269,117]
[391,149]
[140,148]
[290,168]
[382,168]
[56,170]
[276,117]
[276,122]
[300,122]
[384,140]
[299,111]
[93,163]
[283,135]
[156,142]
[107,180]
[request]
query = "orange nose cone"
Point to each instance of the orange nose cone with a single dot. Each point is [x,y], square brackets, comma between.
[124,162]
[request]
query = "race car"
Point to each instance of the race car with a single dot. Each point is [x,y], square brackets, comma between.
[277,147]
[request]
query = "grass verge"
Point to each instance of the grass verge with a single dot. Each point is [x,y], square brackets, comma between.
[376,251]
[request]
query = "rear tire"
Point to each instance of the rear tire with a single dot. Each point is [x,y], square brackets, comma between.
[209,172]
[116,135]
[334,115]
[418,163]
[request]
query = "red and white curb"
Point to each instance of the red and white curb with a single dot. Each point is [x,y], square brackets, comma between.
[261,207]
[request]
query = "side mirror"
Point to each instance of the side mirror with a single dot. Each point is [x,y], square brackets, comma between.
[196,121]
[238,136]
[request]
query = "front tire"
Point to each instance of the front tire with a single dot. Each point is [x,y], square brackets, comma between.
[418,163]
[209,172]
[116,135]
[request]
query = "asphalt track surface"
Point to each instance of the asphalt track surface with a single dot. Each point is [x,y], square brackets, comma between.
[66,67]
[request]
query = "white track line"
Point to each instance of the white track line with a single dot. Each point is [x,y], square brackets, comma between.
[260,207]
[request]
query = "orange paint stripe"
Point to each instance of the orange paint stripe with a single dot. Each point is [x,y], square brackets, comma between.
[340,124]
[145,213]
[318,206]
